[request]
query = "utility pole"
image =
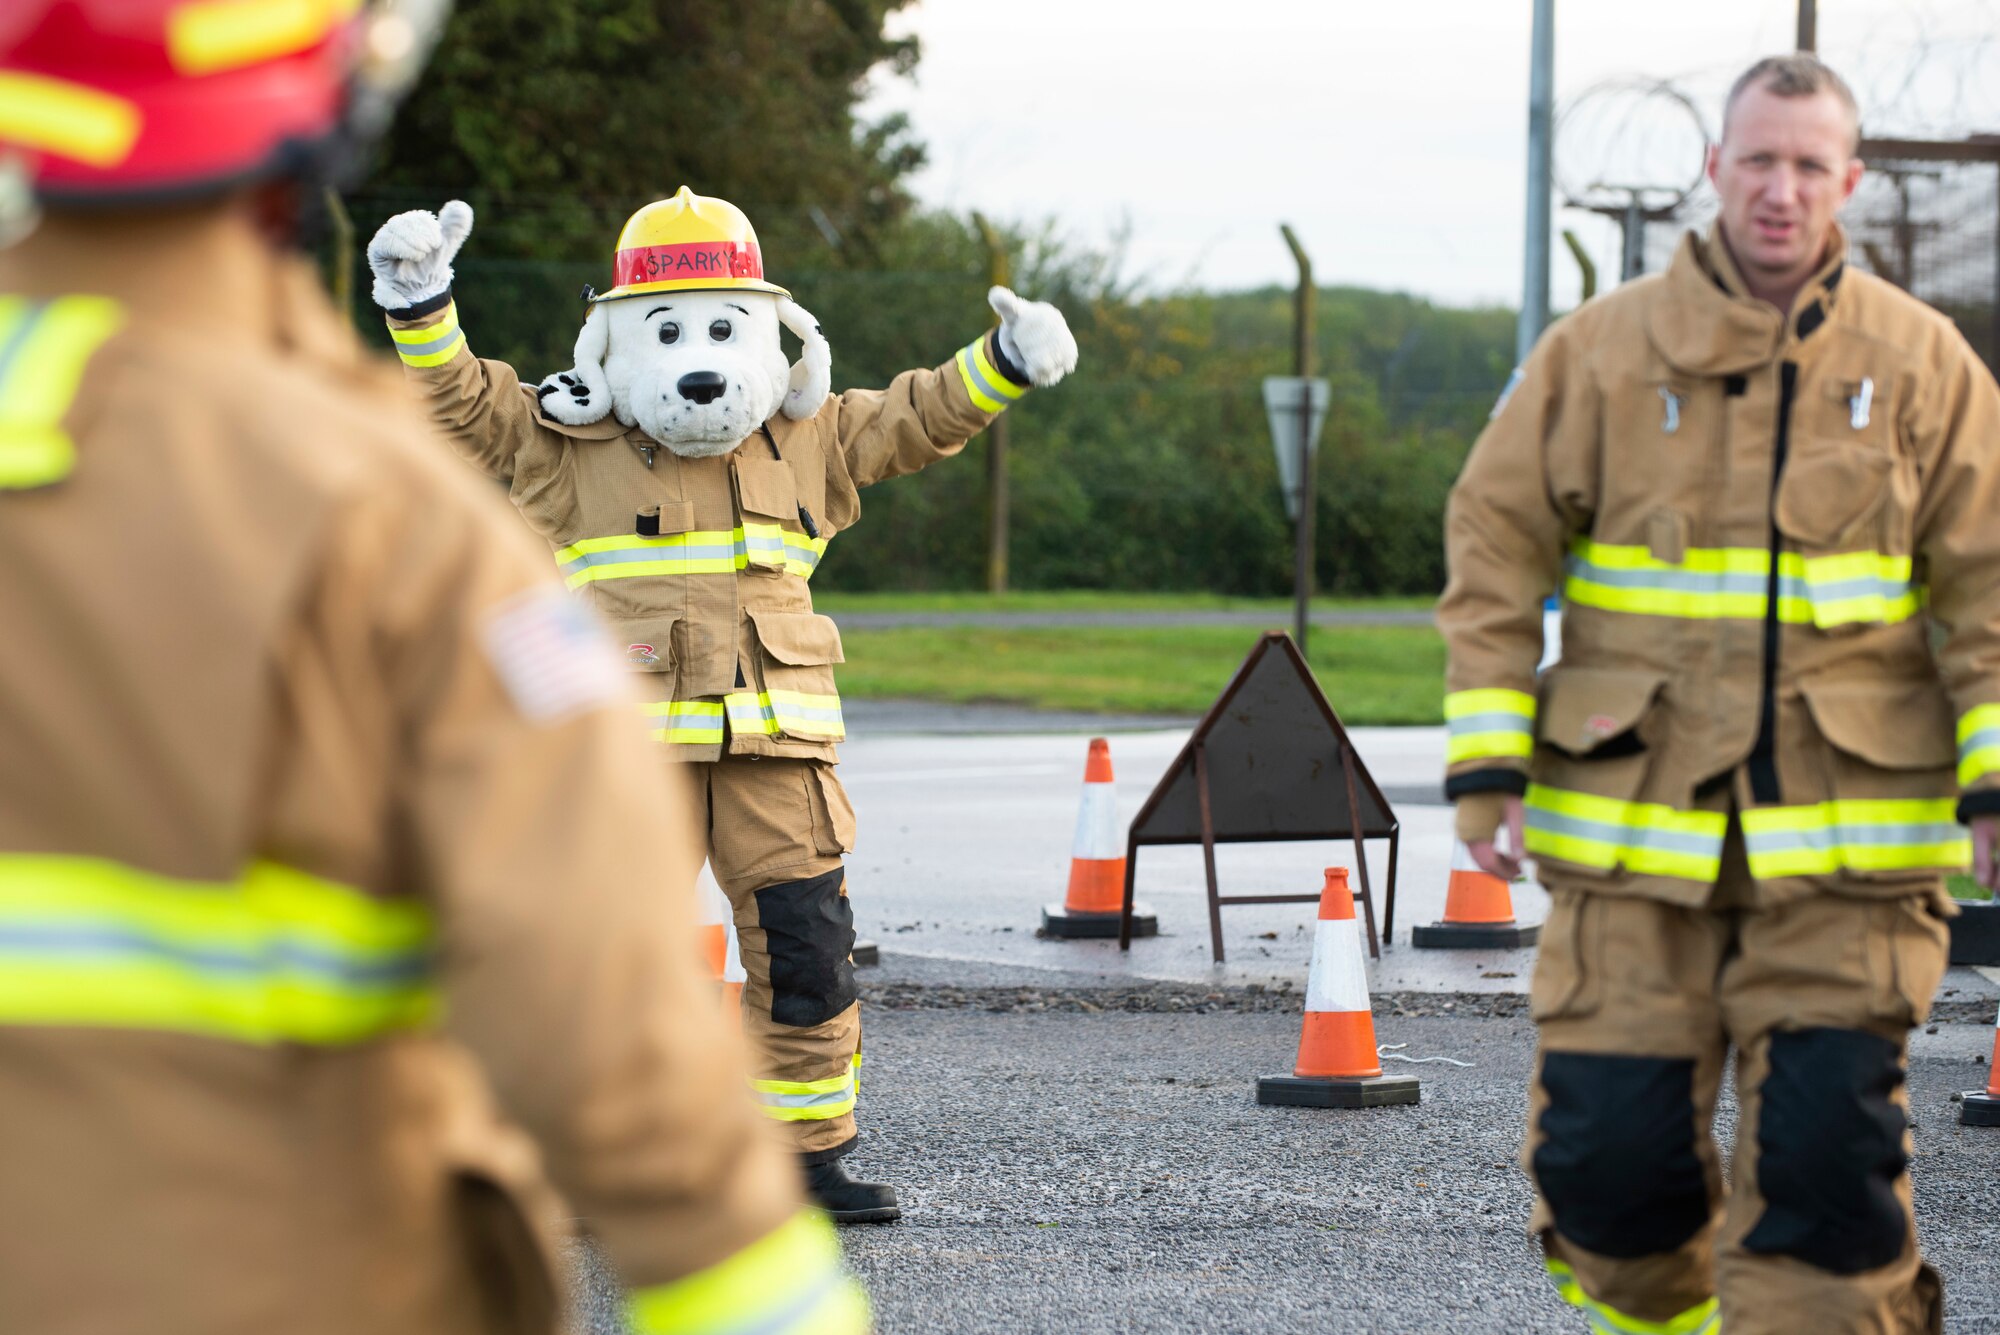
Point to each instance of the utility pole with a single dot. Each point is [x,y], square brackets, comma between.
[343,254]
[1302,363]
[996,434]
[1808,25]
[1541,186]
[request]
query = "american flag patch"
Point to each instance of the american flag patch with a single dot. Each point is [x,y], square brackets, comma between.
[553,656]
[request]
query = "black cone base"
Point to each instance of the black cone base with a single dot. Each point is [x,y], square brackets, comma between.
[1298,1091]
[1064,925]
[1474,936]
[1979,1109]
[866,954]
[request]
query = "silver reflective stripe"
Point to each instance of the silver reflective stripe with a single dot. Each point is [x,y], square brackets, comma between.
[807,712]
[1829,837]
[1675,581]
[438,344]
[794,1317]
[987,387]
[1979,741]
[18,339]
[845,1094]
[1834,591]
[1625,836]
[672,552]
[1471,723]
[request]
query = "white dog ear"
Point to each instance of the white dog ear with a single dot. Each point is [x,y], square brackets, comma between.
[812,373]
[582,396]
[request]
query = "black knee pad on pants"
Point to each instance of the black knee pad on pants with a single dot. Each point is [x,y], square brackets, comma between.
[809,930]
[1829,1151]
[1617,1161]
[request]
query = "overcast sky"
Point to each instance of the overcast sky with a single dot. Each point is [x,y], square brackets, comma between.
[1391,135]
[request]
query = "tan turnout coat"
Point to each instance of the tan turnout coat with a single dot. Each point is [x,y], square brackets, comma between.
[1657,451]
[254,639]
[701,566]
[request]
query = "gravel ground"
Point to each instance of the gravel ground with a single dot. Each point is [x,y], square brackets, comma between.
[1093,1160]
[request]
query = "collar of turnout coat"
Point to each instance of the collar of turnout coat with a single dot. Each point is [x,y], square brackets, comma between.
[1711,326]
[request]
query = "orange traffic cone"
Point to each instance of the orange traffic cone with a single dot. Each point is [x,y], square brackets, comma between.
[1338,1066]
[1982,1107]
[1478,912]
[1097,863]
[718,941]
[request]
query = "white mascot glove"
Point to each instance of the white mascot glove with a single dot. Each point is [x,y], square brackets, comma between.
[1034,336]
[411,255]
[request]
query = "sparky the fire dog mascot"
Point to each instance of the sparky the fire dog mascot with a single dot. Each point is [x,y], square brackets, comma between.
[689,481]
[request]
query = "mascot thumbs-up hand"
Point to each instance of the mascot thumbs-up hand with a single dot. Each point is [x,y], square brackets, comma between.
[411,255]
[1034,336]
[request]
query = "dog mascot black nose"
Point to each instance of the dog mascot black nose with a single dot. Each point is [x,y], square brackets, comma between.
[702,386]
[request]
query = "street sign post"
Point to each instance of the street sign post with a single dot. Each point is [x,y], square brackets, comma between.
[1293,414]
[1296,406]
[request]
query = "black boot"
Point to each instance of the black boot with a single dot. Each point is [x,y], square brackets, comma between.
[848,1201]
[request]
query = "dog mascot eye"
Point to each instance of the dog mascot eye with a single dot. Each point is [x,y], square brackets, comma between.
[720,331]
[670,332]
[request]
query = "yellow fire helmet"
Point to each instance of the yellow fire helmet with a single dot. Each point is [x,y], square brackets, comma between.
[690,243]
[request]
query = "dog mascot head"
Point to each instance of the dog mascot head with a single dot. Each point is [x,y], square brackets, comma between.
[686,347]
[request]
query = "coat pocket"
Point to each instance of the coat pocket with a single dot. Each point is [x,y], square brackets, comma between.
[647,644]
[1873,796]
[1588,812]
[1850,510]
[796,697]
[769,498]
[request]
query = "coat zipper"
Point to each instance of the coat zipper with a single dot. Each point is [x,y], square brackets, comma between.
[1764,755]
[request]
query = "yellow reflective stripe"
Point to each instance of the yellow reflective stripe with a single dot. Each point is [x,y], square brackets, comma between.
[794,712]
[1978,743]
[1732,583]
[429,333]
[689,722]
[787,1283]
[1608,833]
[708,552]
[1858,834]
[810,1100]
[1487,723]
[1702,1319]
[430,345]
[43,353]
[57,116]
[276,956]
[210,36]
[774,544]
[991,392]
[982,361]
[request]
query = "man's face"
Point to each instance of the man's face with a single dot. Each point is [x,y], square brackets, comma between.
[1784,168]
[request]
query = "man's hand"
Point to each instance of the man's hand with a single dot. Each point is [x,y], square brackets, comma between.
[1985,836]
[1494,860]
[1034,336]
[411,254]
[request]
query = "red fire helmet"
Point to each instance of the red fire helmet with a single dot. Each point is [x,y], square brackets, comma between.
[115,99]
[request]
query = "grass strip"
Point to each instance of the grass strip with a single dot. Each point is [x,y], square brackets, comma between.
[1372,674]
[1094,600]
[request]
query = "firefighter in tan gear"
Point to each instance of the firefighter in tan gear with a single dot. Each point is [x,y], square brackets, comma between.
[689,481]
[1764,484]
[328,862]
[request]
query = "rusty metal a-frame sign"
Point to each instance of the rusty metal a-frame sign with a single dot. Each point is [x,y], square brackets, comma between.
[1269,763]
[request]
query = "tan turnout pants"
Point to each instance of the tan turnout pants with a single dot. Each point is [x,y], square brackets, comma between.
[776,831]
[1638,1003]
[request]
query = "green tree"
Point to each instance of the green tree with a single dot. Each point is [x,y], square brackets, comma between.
[564,118]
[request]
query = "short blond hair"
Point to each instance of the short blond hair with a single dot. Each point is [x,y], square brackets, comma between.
[1801,74]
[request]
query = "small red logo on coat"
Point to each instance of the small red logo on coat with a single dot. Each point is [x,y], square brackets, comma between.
[1600,725]
[641,655]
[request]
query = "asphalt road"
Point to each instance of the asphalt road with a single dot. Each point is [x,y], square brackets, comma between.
[1069,1172]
